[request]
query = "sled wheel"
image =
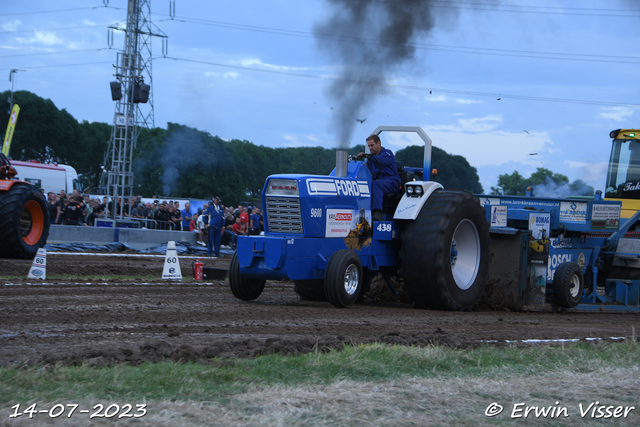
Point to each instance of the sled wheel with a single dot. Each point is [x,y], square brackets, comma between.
[568,285]
[343,278]
[242,287]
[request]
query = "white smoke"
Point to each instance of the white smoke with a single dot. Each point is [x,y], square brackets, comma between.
[552,189]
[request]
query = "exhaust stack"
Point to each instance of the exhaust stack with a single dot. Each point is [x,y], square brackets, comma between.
[341,163]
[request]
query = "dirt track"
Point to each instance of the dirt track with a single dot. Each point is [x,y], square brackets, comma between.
[71,321]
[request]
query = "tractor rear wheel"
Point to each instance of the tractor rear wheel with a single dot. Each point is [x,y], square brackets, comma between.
[343,278]
[310,290]
[444,253]
[242,287]
[24,221]
[568,284]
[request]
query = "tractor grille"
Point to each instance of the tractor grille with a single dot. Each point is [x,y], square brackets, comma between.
[283,215]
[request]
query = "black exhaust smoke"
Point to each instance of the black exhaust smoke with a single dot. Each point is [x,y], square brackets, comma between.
[370,39]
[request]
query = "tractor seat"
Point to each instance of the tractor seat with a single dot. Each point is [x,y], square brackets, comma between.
[390,200]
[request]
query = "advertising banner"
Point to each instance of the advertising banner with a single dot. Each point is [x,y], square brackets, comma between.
[6,145]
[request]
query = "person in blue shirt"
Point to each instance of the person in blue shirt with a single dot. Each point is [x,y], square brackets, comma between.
[254,222]
[186,216]
[216,222]
[385,172]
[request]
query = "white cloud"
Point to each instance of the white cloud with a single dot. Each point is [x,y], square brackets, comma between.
[12,26]
[408,95]
[231,75]
[255,61]
[476,124]
[437,98]
[47,38]
[467,101]
[617,114]
[442,98]
[593,174]
[313,138]
[481,143]
[309,140]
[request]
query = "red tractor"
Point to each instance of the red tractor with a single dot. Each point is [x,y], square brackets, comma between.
[24,216]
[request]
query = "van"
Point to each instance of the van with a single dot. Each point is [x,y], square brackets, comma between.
[49,177]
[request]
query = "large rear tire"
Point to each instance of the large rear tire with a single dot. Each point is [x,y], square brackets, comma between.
[444,253]
[343,278]
[242,287]
[24,221]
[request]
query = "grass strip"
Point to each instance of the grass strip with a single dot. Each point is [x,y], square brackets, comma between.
[363,363]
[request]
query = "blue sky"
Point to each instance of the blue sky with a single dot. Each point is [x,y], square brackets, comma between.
[253,70]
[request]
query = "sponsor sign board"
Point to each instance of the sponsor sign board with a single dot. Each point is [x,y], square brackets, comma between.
[605,217]
[575,212]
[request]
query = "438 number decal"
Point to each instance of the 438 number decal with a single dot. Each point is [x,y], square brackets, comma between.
[384,227]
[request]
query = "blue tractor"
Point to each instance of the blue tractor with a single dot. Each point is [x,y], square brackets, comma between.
[319,233]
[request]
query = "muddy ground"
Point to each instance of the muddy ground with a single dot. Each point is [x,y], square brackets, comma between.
[74,320]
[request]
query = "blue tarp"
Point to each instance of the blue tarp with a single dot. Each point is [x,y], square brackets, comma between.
[181,247]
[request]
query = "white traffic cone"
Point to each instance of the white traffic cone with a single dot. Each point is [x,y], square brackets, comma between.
[171,270]
[39,266]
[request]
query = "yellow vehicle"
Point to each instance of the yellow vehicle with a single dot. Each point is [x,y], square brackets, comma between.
[623,176]
[539,245]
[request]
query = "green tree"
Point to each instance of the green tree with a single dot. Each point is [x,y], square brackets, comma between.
[50,135]
[544,175]
[543,182]
[510,184]
[454,171]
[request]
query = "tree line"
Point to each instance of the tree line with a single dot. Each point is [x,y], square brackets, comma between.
[180,161]
[184,162]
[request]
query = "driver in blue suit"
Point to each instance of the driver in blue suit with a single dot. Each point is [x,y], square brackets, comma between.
[387,180]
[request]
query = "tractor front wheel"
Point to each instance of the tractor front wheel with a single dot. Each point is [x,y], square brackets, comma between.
[343,278]
[243,288]
[24,221]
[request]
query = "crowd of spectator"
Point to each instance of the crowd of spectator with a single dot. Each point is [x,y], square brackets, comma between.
[205,222]
[234,222]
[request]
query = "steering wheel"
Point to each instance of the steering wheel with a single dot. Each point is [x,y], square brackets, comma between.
[371,157]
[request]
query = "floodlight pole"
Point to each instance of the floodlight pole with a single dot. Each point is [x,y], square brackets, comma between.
[133,67]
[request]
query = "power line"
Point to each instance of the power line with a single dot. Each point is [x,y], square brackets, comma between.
[426,46]
[53,29]
[416,87]
[551,10]
[58,10]
[423,46]
[56,52]
[60,65]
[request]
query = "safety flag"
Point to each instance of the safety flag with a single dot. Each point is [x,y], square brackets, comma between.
[10,128]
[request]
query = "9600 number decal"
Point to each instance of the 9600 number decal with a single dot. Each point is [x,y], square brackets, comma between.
[316,213]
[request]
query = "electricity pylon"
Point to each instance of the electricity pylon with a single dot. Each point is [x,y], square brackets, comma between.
[133,92]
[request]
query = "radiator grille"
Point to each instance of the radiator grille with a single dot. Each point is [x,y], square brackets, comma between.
[283,215]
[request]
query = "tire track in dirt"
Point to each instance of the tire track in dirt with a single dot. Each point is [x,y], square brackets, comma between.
[128,320]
